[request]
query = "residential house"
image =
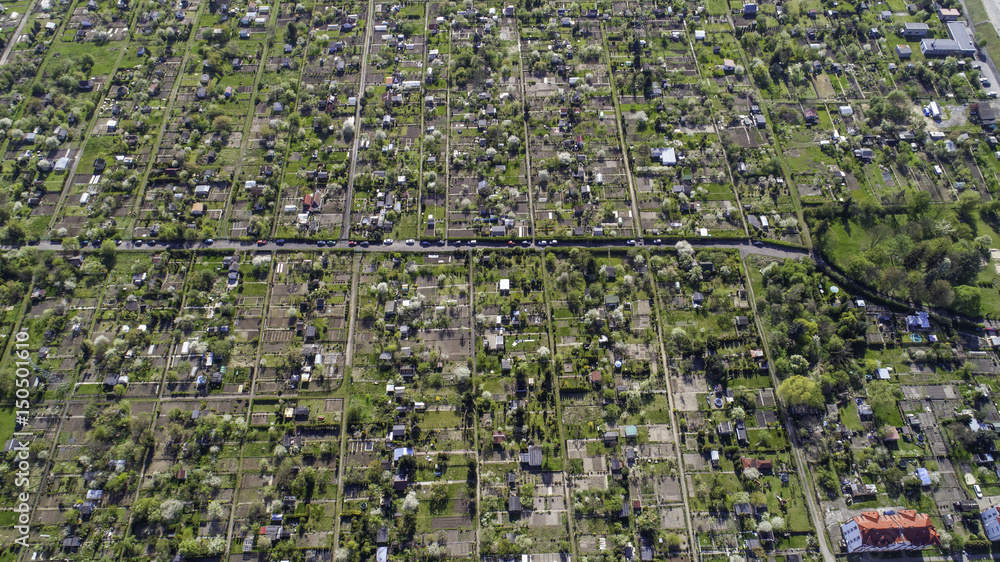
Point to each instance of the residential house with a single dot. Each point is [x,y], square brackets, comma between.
[914,30]
[533,458]
[902,530]
[765,466]
[725,429]
[918,321]
[514,504]
[991,523]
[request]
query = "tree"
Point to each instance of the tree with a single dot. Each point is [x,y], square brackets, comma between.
[685,252]
[263,544]
[918,204]
[171,509]
[410,503]
[145,509]
[883,397]
[613,503]
[108,251]
[968,300]
[222,124]
[216,510]
[940,293]
[439,497]
[955,542]
[202,280]
[967,204]
[798,389]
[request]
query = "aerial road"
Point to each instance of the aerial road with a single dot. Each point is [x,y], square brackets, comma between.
[410,245]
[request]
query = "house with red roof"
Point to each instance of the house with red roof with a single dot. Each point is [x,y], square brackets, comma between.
[890,531]
[763,465]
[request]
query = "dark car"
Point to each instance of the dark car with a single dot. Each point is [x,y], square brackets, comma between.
[280,241]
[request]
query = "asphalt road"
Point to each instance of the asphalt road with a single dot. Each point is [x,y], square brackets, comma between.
[745,248]
[988,68]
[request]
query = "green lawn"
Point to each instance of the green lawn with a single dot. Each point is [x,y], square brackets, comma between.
[850,418]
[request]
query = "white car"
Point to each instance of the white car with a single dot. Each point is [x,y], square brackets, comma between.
[979,491]
[388,241]
[409,241]
[472,242]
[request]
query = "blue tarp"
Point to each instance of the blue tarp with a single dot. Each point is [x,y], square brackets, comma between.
[925,478]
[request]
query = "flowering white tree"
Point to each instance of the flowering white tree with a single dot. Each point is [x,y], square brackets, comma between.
[410,503]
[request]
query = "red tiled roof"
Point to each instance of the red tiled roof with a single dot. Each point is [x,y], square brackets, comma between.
[762,464]
[906,525]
